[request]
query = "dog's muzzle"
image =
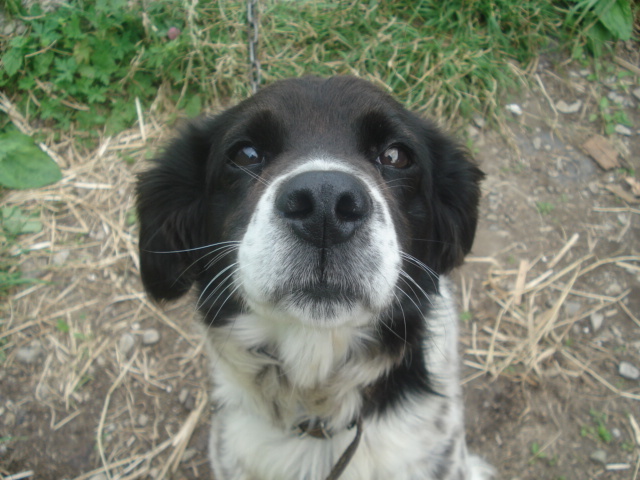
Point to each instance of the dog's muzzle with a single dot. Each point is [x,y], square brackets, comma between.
[324,208]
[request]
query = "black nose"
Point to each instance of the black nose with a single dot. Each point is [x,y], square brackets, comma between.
[324,208]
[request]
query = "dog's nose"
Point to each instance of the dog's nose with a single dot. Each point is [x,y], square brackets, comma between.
[324,208]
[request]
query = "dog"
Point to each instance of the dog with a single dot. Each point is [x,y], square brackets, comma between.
[318,220]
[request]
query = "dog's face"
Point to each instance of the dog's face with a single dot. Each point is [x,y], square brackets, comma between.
[316,201]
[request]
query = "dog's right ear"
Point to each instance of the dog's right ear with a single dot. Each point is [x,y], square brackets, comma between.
[171,204]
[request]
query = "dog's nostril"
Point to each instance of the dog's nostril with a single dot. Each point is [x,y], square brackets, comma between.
[324,208]
[350,208]
[296,205]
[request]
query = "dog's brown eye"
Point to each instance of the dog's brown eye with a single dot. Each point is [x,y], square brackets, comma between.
[247,156]
[394,157]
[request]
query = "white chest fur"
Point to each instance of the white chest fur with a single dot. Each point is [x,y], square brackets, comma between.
[269,377]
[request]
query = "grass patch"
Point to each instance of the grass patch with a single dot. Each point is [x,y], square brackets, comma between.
[83,65]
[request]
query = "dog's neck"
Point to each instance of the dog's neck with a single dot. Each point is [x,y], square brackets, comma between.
[295,373]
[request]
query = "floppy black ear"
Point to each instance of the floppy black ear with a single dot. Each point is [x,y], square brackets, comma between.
[454,202]
[171,210]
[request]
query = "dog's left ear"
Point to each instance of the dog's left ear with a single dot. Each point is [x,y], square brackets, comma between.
[454,197]
[171,210]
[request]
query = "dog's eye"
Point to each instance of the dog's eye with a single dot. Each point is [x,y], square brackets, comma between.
[394,157]
[247,156]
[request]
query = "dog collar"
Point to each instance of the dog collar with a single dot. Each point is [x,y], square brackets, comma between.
[318,429]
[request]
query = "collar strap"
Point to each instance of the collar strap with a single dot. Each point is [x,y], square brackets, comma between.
[348,454]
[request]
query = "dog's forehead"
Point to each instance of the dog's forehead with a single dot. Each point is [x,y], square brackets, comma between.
[312,103]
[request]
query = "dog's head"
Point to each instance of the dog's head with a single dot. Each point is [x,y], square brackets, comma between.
[320,201]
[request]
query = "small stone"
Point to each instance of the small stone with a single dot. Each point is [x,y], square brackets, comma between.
[472,131]
[188,454]
[143,420]
[616,433]
[596,320]
[479,121]
[599,456]
[30,353]
[126,343]
[614,289]
[571,308]
[636,93]
[628,371]
[537,143]
[61,257]
[183,395]
[150,336]
[514,108]
[615,97]
[568,108]
[623,130]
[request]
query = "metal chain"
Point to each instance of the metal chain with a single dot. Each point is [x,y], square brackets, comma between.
[253,22]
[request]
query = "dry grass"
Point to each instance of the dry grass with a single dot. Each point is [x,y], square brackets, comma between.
[89,296]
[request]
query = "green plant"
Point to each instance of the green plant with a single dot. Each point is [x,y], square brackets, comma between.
[611,115]
[22,163]
[13,222]
[545,208]
[593,23]
[88,60]
[599,430]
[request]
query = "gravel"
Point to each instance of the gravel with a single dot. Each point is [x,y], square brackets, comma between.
[568,108]
[599,456]
[150,336]
[30,353]
[628,371]
[596,320]
[126,343]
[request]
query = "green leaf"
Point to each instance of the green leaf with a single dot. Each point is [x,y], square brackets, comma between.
[193,106]
[62,326]
[12,61]
[617,18]
[15,222]
[23,164]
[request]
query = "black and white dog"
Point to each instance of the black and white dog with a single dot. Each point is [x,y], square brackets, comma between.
[317,219]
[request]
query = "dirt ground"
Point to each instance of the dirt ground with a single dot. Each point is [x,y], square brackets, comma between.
[550,301]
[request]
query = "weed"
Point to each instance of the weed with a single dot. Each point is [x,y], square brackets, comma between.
[536,453]
[14,222]
[611,115]
[593,23]
[545,208]
[628,446]
[466,316]
[599,430]
[62,326]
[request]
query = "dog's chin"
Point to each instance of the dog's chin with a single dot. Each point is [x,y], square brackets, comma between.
[322,306]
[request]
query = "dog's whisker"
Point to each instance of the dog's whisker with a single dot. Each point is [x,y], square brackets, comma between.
[433,275]
[223,253]
[209,264]
[200,304]
[229,295]
[186,250]
[406,278]
[253,175]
